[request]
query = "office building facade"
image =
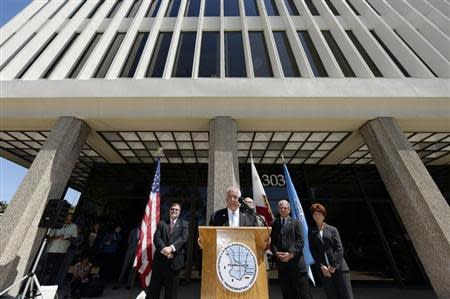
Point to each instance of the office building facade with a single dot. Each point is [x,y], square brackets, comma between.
[352,94]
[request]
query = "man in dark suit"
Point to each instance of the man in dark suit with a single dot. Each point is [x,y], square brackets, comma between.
[232,215]
[170,238]
[287,248]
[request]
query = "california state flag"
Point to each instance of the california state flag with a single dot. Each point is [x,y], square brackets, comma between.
[259,196]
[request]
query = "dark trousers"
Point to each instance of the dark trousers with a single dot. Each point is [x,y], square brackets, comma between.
[294,284]
[52,270]
[77,288]
[166,277]
[337,286]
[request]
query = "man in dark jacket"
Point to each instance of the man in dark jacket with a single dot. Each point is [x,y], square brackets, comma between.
[232,215]
[170,238]
[287,248]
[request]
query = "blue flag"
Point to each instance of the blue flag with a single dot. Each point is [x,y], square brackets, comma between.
[297,213]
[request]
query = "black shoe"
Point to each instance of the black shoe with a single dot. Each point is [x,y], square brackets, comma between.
[116,287]
[128,287]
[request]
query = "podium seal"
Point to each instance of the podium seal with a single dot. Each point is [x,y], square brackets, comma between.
[237,267]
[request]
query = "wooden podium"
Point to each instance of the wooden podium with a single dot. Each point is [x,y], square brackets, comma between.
[213,240]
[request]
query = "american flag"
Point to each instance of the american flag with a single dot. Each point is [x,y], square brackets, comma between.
[145,248]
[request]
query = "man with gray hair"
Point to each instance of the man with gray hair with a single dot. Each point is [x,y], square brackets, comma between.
[287,248]
[231,215]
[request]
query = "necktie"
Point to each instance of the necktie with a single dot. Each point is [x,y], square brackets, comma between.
[283,222]
[172,224]
[234,220]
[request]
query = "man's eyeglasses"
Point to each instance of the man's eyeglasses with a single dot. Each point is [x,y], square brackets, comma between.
[174,209]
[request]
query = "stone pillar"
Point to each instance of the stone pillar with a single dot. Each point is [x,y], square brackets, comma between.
[223,166]
[46,179]
[420,204]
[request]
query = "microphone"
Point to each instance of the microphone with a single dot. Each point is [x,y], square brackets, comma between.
[246,209]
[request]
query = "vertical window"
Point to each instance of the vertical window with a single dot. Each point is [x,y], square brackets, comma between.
[389,53]
[364,54]
[134,9]
[92,13]
[352,7]
[417,55]
[212,8]
[57,10]
[109,56]
[135,55]
[315,62]
[77,9]
[36,56]
[332,8]
[251,8]
[290,68]
[114,9]
[153,9]
[185,55]
[312,8]
[292,9]
[84,57]
[193,8]
[340,57]
[230,8]
[260,55]
[210,55]
[271,8]
[17,51]
[173,7]
[234,55]
[372,8]
[159,57]
[61,54]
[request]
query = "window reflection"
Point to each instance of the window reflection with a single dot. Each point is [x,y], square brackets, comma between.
[314,60]
[185,55]
[210,55]
[260,55]
[234,55]
[285,54]
[159,57]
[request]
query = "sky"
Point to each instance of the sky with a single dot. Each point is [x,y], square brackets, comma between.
[11,174]
[9,8]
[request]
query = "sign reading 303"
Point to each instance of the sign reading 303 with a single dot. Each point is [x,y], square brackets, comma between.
[273,180]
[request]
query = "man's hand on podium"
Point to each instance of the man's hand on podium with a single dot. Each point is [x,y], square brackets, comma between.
[199,242]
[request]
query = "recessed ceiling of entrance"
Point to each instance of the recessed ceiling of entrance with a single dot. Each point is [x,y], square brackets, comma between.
[26,145]
[429,146]
[294,147]
[170,147]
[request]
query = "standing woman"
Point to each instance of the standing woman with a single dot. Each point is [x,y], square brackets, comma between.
[326,248]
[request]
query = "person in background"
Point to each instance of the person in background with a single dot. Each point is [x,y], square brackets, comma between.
[326,248]
[74,250]
[170,239]
[110,250]
[81,277]
[287,248]
[60,241]
[128,260]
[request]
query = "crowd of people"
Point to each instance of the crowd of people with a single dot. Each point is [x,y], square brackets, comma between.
[90,255]
[97,253]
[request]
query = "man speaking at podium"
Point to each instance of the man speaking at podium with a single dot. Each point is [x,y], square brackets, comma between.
[232,215]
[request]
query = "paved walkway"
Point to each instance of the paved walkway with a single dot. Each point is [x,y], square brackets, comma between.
[192,291]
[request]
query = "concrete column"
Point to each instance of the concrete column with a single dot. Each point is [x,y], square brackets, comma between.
[419,202]
[46,179]
[223,166]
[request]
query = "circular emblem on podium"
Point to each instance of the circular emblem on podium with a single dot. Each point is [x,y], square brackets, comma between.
[237,267]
